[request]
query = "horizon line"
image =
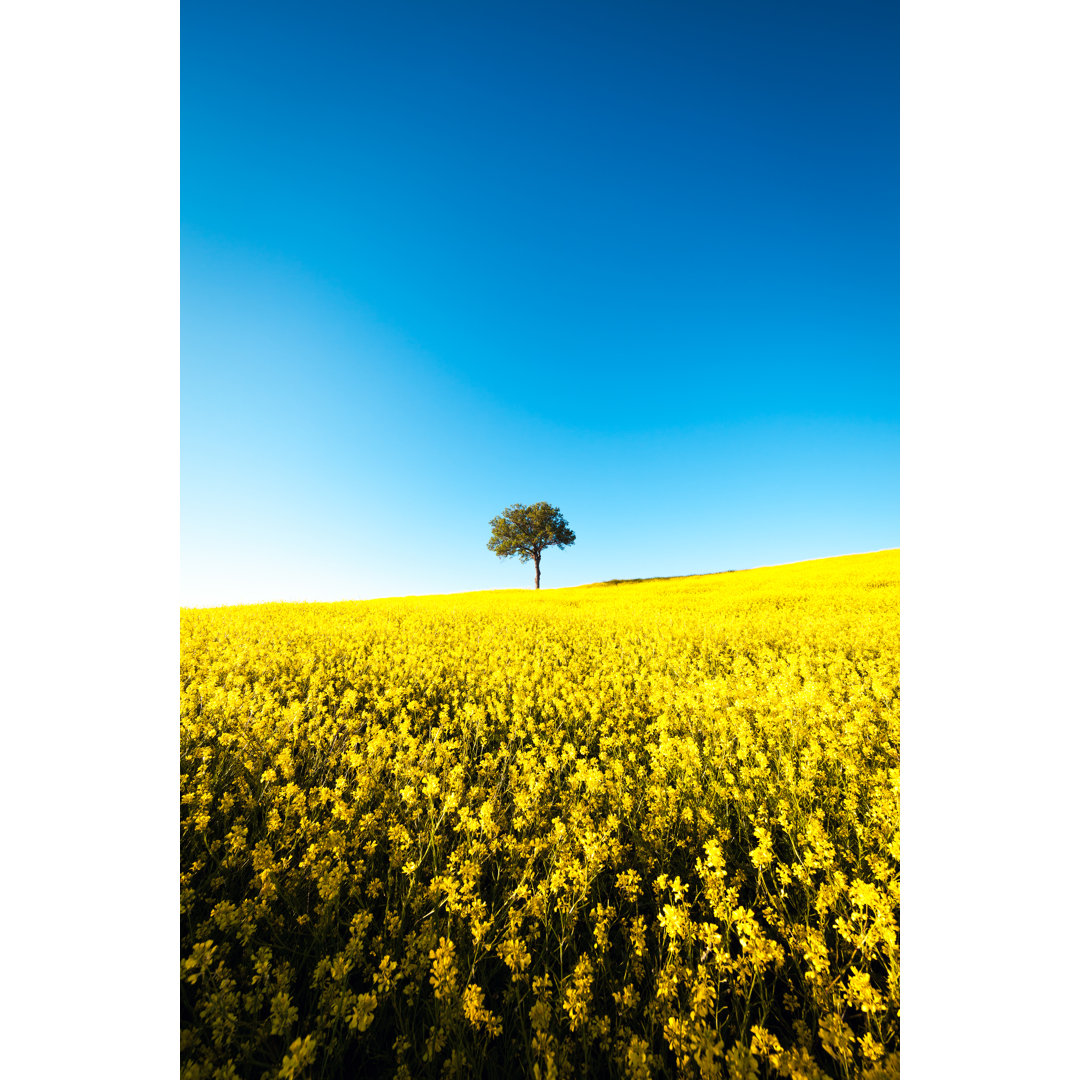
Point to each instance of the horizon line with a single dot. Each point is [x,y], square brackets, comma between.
[522,588]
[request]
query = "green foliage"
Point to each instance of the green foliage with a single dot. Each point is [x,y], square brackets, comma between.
[526,531]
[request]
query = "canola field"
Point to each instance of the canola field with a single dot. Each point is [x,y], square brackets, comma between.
[633,830]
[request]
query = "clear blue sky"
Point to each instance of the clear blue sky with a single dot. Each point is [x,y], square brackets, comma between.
[638,260]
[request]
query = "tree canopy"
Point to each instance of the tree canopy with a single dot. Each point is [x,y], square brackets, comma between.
[526,531]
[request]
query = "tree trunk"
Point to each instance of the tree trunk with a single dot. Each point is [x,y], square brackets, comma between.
[536,559]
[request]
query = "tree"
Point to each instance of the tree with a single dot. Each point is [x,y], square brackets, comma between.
[526,531]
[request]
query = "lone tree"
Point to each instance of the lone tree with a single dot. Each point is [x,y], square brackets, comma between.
[526,530]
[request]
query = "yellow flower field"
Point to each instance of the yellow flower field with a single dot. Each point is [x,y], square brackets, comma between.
[639,829]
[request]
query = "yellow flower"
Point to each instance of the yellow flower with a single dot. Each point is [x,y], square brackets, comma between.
[443,969]
[363,1012]
[673,922]
[669,808]
[301,1054]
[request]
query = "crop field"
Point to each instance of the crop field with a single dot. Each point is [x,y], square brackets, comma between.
[642,829]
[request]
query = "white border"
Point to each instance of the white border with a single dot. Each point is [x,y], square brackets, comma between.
[989,646]
[90,100]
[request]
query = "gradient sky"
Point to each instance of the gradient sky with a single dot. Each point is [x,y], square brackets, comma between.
[640,260]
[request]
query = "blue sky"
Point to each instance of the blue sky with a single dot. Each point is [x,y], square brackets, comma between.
[638,260]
